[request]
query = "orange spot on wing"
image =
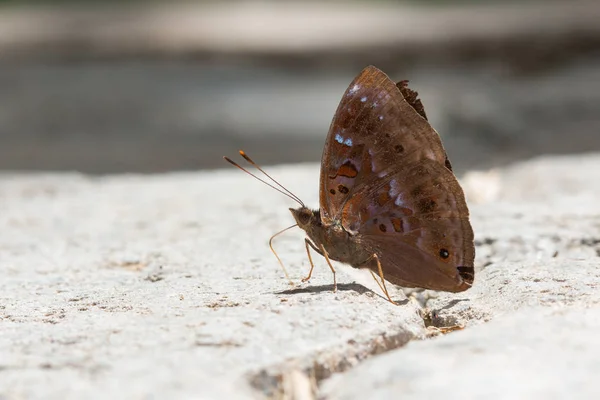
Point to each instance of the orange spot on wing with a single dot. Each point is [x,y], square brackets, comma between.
[384,196]
[406,211]
[398,224]
[348,170]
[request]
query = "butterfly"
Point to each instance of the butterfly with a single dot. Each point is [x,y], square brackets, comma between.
[389,201]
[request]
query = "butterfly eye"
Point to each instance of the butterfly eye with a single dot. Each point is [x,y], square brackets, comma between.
[444,253]
[304,218]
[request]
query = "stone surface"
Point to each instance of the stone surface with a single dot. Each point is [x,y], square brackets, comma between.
[532,354]
[164,285]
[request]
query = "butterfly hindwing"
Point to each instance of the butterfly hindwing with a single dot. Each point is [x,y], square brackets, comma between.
[427,220]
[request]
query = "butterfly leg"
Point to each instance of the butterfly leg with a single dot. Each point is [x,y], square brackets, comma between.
[276,256]
[330,266]
[376,279]
[382,285]
[322,252]
[312,265]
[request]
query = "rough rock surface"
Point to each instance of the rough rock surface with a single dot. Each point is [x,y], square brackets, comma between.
[532,354]
[128,286]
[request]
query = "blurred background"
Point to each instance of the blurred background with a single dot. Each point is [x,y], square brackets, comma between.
[138,86]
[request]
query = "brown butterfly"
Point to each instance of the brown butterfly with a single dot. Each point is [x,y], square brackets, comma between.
[389,199]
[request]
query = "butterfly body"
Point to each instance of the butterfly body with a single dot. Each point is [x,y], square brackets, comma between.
[340,244]
[389,199]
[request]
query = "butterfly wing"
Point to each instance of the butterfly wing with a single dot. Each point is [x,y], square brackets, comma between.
[386,178]
[374,132]
[417,222]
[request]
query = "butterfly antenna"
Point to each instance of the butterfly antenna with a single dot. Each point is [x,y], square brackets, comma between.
[229,160]
[255,165]
[274,252]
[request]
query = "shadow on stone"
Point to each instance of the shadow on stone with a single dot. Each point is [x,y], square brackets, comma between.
[341,287]
[328,288]
[452,303]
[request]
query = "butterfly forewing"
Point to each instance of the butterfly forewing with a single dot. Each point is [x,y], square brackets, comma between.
[374,133]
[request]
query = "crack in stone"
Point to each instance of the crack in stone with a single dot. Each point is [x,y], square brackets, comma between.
[271,381]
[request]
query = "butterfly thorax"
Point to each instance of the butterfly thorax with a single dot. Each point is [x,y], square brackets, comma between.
[340,244]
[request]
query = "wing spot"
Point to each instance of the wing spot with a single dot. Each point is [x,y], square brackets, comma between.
[382,228]
[332,191]
[444,253]
[406,211]
[383,198]
[416,192]
[343,189]
[398,224]
[399,148]
[340,139]
[467,273]
[427,205]
[348,170]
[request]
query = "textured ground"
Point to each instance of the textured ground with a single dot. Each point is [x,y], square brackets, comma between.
[163,285]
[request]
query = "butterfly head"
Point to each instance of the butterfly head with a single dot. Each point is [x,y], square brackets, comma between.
[305,217]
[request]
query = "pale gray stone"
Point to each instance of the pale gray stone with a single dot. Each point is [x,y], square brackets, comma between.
[139,286]
[537,353]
